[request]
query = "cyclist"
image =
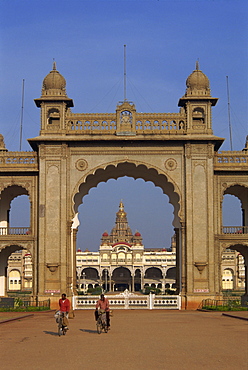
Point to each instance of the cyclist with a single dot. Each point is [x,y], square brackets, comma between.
[103,304]
[64,308]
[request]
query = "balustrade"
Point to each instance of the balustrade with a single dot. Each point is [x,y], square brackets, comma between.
[18,159]
[235,230]
[15,231]
[131,301]
[231,158]
[146,123]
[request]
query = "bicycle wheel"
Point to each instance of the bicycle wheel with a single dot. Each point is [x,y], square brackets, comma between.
[99,325]
[59,329]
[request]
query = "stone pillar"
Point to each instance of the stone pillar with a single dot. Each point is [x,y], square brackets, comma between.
[110,282]
[133,274]
[180,257]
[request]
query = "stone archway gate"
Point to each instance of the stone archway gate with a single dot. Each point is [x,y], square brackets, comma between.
[176,151]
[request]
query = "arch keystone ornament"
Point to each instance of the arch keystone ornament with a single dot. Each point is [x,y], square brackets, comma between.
[177,152]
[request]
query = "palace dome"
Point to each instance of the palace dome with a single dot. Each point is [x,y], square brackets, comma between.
[137,234]
[105,233]
[54,80]
[197,82]
[121,213]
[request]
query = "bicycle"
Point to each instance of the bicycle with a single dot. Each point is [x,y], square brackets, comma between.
[101,323]
[62,329]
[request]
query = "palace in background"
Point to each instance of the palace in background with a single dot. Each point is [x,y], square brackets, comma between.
[124,263]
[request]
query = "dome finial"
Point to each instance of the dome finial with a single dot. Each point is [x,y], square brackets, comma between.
[121,206]
[197,65]
[54,65]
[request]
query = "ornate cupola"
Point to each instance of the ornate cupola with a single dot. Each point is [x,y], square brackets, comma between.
[53,102]
[197,103]
[121,232]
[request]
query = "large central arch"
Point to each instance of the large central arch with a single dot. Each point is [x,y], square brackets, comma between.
[131,169]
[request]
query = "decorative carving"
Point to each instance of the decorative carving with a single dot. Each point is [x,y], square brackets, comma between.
[188,150]
[200,266]
[81,165]
[53,151]
[170,164]
[52,267]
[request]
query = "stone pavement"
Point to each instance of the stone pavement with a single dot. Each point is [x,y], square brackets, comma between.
[138,339]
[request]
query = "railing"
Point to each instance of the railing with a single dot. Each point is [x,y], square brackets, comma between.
[15,231]
[228,302]
[18,301]
[35,303]
[85,123]
[132,301]
[18,159]
[230,158]
[235,230]
[160,123]
[145,123]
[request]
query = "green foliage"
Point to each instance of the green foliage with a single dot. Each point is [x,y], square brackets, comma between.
[18,303]
[95,291]
[24,309]
[149,290]
[228,305]
[224,308]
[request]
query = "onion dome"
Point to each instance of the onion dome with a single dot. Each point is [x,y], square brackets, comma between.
[197,83]
[79,250]
[121,213]
[54,83]
[105,234]
[137,234]
[53,89]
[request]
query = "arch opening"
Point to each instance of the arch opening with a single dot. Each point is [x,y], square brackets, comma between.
[16,270]
[134,171]
[235,209]
[15,210]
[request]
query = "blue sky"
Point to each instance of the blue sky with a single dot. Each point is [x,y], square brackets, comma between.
[164,39]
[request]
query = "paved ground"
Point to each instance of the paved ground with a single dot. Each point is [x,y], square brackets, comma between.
[139,339]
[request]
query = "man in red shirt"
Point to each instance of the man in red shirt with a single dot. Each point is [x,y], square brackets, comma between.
[64,306]
[103,304]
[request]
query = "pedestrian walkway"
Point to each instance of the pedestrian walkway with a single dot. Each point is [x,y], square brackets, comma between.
[138,339]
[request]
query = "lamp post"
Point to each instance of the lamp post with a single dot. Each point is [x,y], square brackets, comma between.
[84,281]
[106,280]
[78,278]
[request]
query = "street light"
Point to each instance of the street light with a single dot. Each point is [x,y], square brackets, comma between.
[106,280]
[84,281]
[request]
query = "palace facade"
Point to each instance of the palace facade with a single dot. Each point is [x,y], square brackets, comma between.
[123,262]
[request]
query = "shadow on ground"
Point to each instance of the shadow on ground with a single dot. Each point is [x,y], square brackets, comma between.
[89,331]
[50,332]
